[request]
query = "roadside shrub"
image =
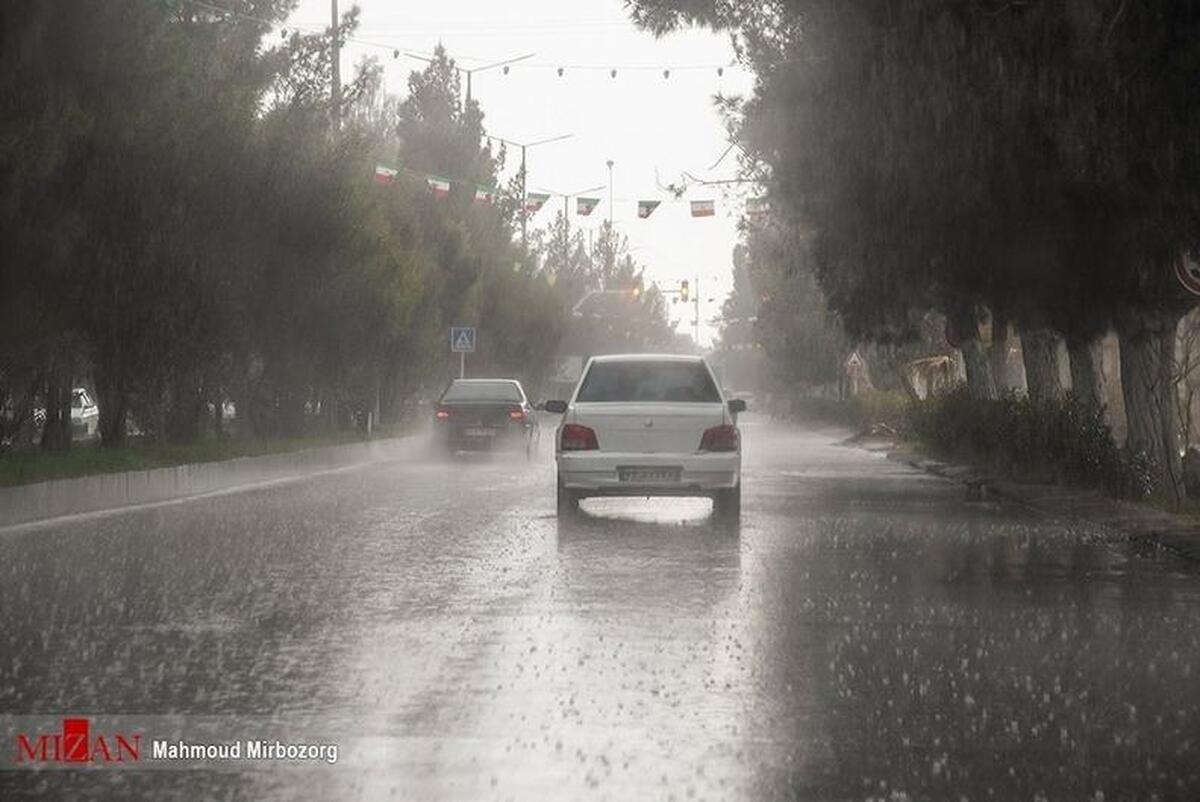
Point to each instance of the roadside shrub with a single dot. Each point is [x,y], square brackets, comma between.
[862,411]
[1059,441]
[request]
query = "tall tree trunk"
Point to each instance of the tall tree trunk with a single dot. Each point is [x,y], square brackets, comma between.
[1039,351]
[998,356]
[112,397]
[1088,382]
[1147,382]
[56,431]
[185,407]
[979,371]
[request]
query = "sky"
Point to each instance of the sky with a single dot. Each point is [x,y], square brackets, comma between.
[647,124]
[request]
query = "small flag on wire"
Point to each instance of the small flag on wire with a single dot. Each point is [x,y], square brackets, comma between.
[385,174]
[485,195]
[534,201]
[703,208]
[646,208]
[757,208]
[584,206]
[440,187]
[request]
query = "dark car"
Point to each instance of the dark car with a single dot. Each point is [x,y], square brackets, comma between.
[486,415]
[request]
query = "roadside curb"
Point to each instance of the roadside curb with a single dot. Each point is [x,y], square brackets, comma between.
[29,504]
[1131,520]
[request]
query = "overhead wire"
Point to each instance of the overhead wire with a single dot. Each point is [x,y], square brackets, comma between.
[397,51]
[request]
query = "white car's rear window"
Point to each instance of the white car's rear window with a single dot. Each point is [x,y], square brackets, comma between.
[483,391]
[649,381]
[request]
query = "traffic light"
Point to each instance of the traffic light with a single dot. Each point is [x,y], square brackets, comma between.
[683,291]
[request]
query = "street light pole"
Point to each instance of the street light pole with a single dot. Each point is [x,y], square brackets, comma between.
[566,196]
[524,205]
[610,193]
[612,240]
[524,191]
[465,71]
[504,63]
[335,58]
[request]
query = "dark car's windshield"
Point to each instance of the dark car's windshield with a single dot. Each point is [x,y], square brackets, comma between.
[649,381]
[483,391]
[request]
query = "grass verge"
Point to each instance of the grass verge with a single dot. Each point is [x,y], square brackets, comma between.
[86,459]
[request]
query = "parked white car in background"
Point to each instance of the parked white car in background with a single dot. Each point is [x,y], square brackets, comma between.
[648,425]
[85,415]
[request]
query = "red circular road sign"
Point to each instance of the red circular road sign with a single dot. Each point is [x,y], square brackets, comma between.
[1187,270]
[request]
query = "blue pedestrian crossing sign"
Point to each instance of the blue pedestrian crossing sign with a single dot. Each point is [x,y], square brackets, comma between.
[462,339]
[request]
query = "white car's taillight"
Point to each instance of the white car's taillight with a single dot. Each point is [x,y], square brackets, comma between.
[578,438]
[720,438]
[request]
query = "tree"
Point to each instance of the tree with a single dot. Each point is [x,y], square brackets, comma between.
[191,227]
[1029,163]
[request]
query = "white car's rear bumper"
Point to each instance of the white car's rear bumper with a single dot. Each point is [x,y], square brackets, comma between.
[595,473]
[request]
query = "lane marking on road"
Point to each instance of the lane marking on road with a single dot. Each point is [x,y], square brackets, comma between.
[78,517]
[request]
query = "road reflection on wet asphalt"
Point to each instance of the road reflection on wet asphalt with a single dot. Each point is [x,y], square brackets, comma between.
[864,633]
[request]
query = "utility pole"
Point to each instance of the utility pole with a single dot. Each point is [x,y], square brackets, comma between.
[524,206]
[524,190]
[504,64]
[612,240]
[566,196]
[335,59]
[610,192]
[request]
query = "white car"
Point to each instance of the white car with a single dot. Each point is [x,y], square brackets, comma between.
[85,415]
[648,425]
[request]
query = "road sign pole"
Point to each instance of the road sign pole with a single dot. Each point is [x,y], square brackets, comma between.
[462,342]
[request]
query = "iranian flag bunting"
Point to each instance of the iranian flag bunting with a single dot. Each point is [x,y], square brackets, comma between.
[534,201]
[584,206]
[385,175]
[703,208]
[646,208]
[440,187]
[485,195]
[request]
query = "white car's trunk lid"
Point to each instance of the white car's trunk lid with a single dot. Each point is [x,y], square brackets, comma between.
[674,428]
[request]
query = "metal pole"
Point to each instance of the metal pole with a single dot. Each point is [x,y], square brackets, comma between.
[335,63]
[468,72]
[696,317]
[612,240]
[524,205]
[610,194]
[462,364]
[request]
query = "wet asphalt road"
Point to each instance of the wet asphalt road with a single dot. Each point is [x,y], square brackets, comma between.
[865,634]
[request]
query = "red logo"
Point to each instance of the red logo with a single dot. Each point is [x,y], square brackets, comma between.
[77,744]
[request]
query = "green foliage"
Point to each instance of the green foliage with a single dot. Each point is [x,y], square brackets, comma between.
[189,226]
[1035,160]
[864,412]
[804,341]
[1058,440]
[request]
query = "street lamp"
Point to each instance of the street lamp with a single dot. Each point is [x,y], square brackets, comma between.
[612,243]
[469,72]
[566,196]
[610,192]
[524,193]
[632,292]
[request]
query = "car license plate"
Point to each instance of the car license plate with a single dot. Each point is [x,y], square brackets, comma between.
[649,475]
[480,432]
